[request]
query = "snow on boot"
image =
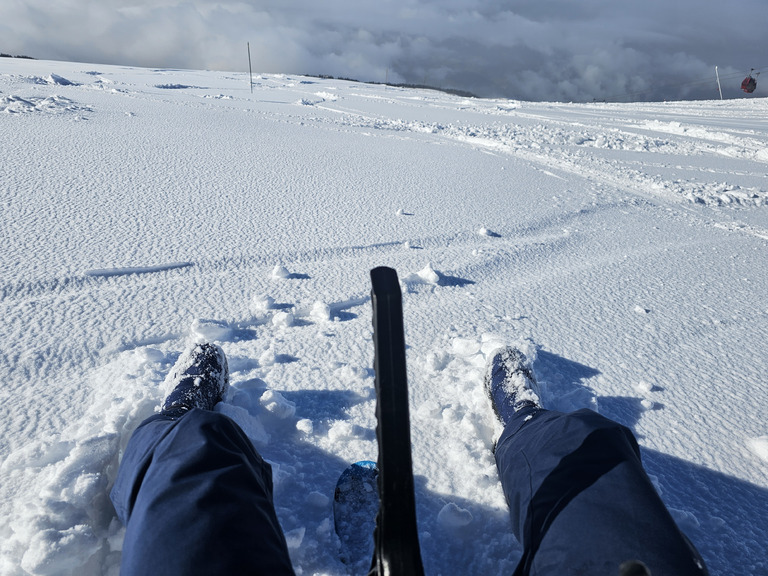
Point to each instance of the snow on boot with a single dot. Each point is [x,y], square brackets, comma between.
[510,384]
[199,379]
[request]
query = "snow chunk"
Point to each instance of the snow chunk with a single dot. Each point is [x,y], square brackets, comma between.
[321,312]
[203,330]
[327,96]
[647,404]
[262,303]
[51,105]
[280,272]
[305,425]
[59,80]
[275,403]
[451,516]
[426,275]
[284,319]
[643,387]
[342,430]
[252,427]
[759,446]
[488,233]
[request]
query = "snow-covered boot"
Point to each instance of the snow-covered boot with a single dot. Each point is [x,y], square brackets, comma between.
[510,383]
[199,379]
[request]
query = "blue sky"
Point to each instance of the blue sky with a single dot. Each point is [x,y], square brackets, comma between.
[573,50]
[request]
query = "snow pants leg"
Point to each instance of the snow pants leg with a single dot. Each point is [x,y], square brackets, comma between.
[580,500]
[196,498]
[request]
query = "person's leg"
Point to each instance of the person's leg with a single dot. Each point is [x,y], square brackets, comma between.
[579,498]
[196,498]
[193,493]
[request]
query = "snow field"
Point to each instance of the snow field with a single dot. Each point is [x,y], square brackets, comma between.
[622,245]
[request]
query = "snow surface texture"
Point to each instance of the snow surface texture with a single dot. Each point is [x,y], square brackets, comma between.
[143,210]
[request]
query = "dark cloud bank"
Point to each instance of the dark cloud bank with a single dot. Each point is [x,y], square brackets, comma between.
[565,50]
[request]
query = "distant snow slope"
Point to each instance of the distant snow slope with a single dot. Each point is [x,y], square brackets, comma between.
[625,245]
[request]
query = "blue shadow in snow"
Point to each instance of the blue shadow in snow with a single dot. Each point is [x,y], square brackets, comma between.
[725,517]
[446,280]
[340,310]
[564,382]
[324,404]
[285,359]
[625,410]
[569,371]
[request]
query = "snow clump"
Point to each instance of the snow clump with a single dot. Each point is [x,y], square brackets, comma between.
[261,303]
[203,330]
[759,446]
[280,272]
[275,403]
[426,275]
[283,319]
[452,516]
[321,312]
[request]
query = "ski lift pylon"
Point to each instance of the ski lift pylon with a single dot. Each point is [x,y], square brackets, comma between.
[750,82]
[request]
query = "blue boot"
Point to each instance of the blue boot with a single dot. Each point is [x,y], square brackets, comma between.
[510,384]
[199,379]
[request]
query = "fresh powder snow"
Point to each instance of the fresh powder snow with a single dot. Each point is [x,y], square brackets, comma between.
[624,245]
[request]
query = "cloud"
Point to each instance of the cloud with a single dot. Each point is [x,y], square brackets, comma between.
[529,49]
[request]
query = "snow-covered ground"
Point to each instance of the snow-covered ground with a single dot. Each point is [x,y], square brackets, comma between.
[141,209]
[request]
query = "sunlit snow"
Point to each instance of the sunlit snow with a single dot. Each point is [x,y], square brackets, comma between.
[625,245]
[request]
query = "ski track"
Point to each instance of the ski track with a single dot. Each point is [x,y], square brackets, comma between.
[622,246]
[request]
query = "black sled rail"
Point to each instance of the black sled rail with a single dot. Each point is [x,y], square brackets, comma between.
[396,548]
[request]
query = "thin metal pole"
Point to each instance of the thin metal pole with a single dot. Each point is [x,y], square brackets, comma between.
[250,70]
[717,74]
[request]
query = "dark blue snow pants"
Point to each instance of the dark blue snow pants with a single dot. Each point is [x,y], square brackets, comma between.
[196,498]
[581,502]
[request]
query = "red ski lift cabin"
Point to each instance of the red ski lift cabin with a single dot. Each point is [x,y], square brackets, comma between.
[749,84]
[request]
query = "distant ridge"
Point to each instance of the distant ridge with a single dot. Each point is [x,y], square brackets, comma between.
[455,92]
[4,55]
